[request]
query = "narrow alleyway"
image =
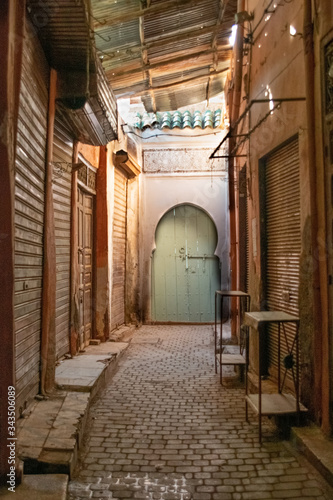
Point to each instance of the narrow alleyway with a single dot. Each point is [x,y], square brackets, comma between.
[165,429]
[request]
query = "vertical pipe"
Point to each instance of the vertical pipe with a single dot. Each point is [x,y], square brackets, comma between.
[12,23]
[48,341]
[317,205]
[234,113]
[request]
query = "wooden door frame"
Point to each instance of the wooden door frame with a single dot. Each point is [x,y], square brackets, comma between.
[86,191]
[76,184]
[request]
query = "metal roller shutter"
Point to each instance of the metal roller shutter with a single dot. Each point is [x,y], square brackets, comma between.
[283,238]
[119,250]
[29,218]
[62,152]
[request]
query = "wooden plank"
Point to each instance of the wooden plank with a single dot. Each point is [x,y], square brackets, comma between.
[231,359]
[274,404]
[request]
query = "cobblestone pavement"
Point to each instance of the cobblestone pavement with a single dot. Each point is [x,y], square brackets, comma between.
[164,429]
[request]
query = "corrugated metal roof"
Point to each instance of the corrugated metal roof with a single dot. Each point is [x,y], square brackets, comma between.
[63,30]
[151,44]
[65,33]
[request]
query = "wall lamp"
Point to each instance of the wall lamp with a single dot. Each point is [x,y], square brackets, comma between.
[293,32]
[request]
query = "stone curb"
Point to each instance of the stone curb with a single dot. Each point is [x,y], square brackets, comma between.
[50,437]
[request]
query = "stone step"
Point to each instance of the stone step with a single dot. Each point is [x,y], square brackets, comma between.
[39,487]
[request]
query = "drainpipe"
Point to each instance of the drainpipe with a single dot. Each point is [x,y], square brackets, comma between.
[234,114]
[318,237]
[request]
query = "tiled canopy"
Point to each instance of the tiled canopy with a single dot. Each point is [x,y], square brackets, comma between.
[177,119]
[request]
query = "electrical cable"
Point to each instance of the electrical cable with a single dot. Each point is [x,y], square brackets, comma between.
[171,135]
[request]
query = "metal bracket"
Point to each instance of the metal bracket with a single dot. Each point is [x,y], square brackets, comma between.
[61,167]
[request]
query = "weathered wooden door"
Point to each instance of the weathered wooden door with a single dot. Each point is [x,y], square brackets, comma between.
[85,261]
[185,272]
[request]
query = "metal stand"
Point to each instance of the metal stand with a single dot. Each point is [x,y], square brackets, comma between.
[231,359]
[278,403]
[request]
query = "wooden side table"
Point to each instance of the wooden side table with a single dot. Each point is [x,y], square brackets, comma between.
[236,359]
[278,403]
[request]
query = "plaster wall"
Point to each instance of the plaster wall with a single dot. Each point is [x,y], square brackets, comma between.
[161,192]
[132,289]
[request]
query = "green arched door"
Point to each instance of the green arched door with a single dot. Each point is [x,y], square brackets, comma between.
[185,271]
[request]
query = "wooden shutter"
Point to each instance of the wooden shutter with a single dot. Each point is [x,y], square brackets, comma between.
[62,152]
[119,250]
[29,218]
[283,238]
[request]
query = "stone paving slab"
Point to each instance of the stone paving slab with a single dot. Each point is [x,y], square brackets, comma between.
[39,487]
[165,429]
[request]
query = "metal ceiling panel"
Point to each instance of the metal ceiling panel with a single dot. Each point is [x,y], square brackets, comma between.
[180,18]
[147,45]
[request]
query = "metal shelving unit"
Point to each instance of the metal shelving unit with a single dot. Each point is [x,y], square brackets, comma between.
[221,358]
[279,403]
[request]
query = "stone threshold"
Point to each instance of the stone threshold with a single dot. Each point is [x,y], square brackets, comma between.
[316,447]
[50,436]
[307,438]
[39,487]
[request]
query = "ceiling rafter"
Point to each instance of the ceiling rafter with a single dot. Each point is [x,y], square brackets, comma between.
[194,56]
[222,7]
[145,61]
[195,80]
[163,41]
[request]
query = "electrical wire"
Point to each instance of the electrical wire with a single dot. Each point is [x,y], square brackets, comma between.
[162,134]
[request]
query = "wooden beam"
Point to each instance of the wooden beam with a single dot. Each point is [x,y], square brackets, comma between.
[222,7]
[101,222]
[195,79]
[113,72]
[159,8]
[48,337]
[74,285]
[208,89]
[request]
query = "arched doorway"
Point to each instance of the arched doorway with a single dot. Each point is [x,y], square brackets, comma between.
[185,271]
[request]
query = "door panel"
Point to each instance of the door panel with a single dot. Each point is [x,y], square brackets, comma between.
[185,271]
[85,260]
